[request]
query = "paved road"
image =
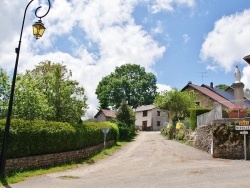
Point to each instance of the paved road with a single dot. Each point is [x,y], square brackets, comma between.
[150,161]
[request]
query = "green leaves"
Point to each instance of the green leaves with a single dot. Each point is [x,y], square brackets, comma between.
[47,92]
[28,138]
[176,102]
[129,82]
[4,93]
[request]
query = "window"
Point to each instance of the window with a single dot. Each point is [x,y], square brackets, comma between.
[158,113]
[158,123]
[197,103]
[145,113]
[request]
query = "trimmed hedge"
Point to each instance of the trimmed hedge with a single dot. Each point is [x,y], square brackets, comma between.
[194,112]
[29,138]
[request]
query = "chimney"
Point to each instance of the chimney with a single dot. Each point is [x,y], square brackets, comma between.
[212,85]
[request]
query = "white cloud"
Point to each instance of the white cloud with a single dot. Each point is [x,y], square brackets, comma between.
[163,88]
[158,29]
[229,41]
[169,5]
[73,25]
[186,38]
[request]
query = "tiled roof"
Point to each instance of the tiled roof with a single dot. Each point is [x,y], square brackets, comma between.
[106,113]
[228,94]
[145,107]
[109,113]
[212,95]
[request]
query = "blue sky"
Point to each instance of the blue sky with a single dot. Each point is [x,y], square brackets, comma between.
[178,40]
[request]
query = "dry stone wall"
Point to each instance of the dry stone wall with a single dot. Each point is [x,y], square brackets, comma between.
[221,140]
[203,138]
[53,159]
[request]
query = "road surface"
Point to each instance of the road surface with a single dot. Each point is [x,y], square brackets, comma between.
[150,161]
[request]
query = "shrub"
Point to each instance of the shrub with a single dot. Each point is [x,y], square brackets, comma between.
[169,131]
[125,132]
[29,138]
[180,134]
[180,125]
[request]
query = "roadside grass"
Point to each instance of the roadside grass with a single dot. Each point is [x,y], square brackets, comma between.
[16,177]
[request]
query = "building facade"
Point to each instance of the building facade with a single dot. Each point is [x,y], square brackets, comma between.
[150,118]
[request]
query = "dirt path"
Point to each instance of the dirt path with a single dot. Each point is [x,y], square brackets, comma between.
[150,161]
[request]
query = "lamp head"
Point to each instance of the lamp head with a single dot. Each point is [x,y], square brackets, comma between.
[38,29]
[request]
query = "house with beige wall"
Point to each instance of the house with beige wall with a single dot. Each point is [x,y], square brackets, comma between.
[105,115]
[150,118]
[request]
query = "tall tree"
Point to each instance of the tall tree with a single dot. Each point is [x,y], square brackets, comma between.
[4,92]
[29,102]
[176,102]
[129,82]
[66,98]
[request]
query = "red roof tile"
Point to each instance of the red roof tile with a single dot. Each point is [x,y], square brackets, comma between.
[109,113]
[213,95]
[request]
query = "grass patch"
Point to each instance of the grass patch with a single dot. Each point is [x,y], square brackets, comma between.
[16,177]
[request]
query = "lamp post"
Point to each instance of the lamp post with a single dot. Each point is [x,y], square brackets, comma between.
[38,30]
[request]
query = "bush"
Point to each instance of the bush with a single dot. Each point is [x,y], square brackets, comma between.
[180,134]
[29,138]
[126,132]
[169,131]
[180,125]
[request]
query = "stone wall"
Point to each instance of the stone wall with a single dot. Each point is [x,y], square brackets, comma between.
[221,140]
[203,138]
[205,101]
[227,142]
[53,159]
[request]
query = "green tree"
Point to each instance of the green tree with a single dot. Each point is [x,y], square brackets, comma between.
[4,92]
[64,96]
[176,102]
[125,114]
[222,86]
[29,102]
[129,82]
[125,118]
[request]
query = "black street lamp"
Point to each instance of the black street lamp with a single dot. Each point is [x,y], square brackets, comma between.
[38,30]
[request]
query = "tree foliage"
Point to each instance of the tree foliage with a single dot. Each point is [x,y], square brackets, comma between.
[129,82]
[176,102]
[47,92]
[4,92]
[29,102]
[222,86]
[125,118]
[125,114]
[64,96]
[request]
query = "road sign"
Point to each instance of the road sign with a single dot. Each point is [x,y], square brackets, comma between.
[244,122]
[243,132]
[105,131]
[242,127]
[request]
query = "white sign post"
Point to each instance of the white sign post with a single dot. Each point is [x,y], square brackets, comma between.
[105,131]
[245,143]
[243,127]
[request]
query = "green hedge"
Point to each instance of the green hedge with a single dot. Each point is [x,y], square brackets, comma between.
[29,138]
[194,112]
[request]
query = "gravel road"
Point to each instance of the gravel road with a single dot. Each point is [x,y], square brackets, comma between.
[150,161]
